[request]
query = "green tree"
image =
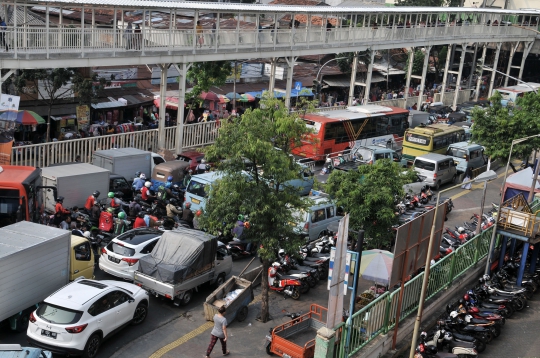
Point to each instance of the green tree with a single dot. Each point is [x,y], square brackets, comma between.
[345,60]
[439,60]
[418,62]
[367,194]
[257,189]
[496,127]
[204,75]
[51,86]
[88,90]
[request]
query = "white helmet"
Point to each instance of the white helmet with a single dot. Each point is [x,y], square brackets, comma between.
[281,252]
[453,314]
[87,234]
[203,161]
[148,184]
[468,318]
[276,264]
[461,229]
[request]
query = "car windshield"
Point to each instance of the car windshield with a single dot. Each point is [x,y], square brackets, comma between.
[363,154]
[420,164]
[120,249]
[58,315]
[196,188]
[456,152]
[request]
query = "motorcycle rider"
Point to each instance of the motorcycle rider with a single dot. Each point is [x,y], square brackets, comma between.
[135,207]
[187,178]
[272,273]
[120,224]
[196,225]
[187,214]
[201,168]
[138,183]
[165,192]
[172,210]
[146,195]
[95,212]
[59,212]
[238,231]
[91,200]
[111,203]
[139,221]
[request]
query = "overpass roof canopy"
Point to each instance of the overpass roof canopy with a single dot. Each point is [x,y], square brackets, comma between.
[258,8]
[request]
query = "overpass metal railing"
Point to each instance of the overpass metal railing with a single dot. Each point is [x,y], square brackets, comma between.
[379,316]
[70,39]
[66,151]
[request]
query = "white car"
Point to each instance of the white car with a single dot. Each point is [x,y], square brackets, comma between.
[121,256]
[78,317]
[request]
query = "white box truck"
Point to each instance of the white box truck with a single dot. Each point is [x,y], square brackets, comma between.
[34,262]
[127,161]
[75,182]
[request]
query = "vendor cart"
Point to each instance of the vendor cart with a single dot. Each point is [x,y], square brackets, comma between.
[296,338]
[235,294]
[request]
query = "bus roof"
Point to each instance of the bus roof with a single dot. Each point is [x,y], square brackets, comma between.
[435,128]
[354,112]
[14,174]
[520,87]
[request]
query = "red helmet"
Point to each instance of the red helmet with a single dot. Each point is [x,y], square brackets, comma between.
[466,297]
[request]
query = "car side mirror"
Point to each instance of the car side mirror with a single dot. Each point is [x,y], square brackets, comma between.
[131,300]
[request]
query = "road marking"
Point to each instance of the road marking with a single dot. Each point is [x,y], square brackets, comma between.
[197,331]
[474,186]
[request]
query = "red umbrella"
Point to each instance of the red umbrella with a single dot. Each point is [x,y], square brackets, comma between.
[209,96]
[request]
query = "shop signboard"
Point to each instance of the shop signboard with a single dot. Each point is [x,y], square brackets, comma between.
[83,116]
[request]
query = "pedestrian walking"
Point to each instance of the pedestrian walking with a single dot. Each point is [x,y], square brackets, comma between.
[128,36]
[3,29]
[138,37]
[213,34]
[200,34]
[219,332]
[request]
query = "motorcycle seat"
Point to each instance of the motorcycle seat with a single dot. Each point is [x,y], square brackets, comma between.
[463,337]
[462,344]
[287,277]
[479,321]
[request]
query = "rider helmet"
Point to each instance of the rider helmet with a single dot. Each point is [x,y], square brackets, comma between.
[203,161]
[466,297]
[461,229]
[141,214]
[96,193]
[137,174]
[486,277]
[281,252]
[190,171]
[276,264]
[111,194]
[169,178]
[173,202]
[199,212]
[240,217]
[59,199]
[453,314]
[87,234]
[121,215]
[148,184]
[188,205]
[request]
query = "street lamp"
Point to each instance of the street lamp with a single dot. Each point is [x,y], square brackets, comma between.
[513,78]
[494,233]
[490,175]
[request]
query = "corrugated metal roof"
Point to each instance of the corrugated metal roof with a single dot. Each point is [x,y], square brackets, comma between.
[254,8]
[111,104]
[32,19]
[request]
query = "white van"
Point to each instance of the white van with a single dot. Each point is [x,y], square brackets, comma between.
[198,188]
[435,169]
[315,220]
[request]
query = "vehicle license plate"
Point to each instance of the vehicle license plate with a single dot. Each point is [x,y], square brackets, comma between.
[195,201]
[113,259]
[48,334]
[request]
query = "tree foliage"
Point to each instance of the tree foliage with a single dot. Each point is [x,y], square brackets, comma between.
[368,194]
[88,90]
[51,86]
[345,60]
[257,189]
[204,75]
[496,127]
[418,62]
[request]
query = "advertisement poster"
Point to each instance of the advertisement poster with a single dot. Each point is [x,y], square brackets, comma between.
[83,116]
[9,105]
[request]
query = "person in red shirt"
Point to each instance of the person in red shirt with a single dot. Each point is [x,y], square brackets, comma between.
[59,208]
[139,221]
[145,192]
[91,200]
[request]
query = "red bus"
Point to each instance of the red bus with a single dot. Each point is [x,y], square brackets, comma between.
[335,131]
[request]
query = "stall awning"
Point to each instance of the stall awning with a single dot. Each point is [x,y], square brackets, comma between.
[304,92]
[374,79]
[391,70]
[170,103]
[106,105]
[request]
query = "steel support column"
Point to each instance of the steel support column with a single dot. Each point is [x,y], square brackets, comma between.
[409,73]
[353,78]
[368,76]
[290,63]
[479,79]
[510,60]
[424,73]
[504,244]
[272,82]
[494,66]
[473,65]
[164,67]
[526,49]
[522,263]
[445,73]
[182,69]
[460,71]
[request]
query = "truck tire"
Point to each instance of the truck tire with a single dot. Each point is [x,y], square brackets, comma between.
[242,314]
[220,280]
[186,298]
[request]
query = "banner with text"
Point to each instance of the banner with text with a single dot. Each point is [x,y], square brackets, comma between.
[9,106]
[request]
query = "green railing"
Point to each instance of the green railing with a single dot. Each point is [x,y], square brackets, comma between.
[380,315]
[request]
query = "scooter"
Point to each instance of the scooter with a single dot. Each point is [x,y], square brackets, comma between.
[290,287]
[425,350]
[441,338]
[238,248]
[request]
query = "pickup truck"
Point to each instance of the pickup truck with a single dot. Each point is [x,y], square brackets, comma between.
[181,261]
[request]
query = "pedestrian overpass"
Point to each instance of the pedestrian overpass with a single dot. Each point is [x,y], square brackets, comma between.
[88,33]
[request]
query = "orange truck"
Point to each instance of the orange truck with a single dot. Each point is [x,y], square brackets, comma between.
[296,338]
[19,186]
